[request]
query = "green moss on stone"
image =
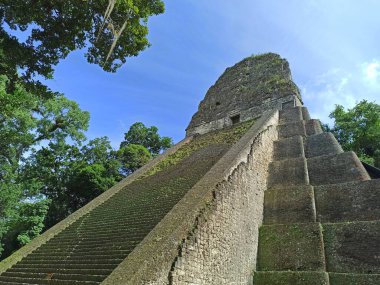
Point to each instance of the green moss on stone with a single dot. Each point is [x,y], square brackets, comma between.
[354,279]
[225,136]
[352,247]
[290,278]
[296,247]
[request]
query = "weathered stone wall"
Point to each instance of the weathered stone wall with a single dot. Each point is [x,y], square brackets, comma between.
[222,248]
[249,88]
[232,189]
[245,115]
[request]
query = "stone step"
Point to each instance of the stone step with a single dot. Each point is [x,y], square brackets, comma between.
[291,130]
[288,172]
[353,247]
[290,278]
[45,281]
[56,276]
[322,144]
[85,252]
[51,269]
[299,128]
[90,243]
[296,247]
[354,279]
[101,235]
[348,202]
[93,239]
[338,168]
[289,205]
[305,114]
[288,148]
[73,257]
[87,263]
[313,127]
[85,247]
[290,115]
[66,264]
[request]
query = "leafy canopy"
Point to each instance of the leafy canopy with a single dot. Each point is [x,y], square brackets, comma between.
[139,134]
[358,129]
[112,30]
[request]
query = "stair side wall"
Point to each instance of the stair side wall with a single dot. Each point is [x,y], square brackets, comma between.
[209,236]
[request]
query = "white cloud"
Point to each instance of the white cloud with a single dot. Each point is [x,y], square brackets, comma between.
[371,71]
[343,87]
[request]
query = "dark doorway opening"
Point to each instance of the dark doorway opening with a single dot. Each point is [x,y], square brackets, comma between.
[235,119]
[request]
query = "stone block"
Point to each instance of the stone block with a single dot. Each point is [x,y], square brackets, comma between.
[289,148]
[290,278]
[292,129]
[288,172]
[313,127]
[354,279]
[339,168]
[290,115]
[305,114]
[296,247]
[352,247]
[288,205]
[345,202]
[322,144]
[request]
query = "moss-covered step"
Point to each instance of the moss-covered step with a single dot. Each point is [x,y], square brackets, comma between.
[322,144]
[292,129]
[296,247]
[290,278]
[288,148]
[338,168]
[289,205]
[352,247]
[347,202]
[354,279]
[288,172]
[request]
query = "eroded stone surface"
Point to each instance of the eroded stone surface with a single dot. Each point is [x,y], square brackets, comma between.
[249,88]
[322,144]
[296,247]
[287,205]
[290,278]
[288,172]
[348,202]
[354,279]
[289,148]
[353,247]
[331,169]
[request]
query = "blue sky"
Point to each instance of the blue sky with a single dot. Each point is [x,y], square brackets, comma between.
[332,47]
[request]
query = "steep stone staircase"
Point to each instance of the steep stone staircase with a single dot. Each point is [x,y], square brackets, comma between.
[88,250]
[321,211]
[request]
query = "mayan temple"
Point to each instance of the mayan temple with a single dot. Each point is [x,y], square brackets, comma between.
[256,193]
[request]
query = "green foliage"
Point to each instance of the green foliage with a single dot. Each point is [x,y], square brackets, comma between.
[72,176]
[111,29]
[139,134]
[133,156]
[27,119]
[358,129]
[25,224]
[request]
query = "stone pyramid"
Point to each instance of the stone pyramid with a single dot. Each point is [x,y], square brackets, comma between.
[255,194]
